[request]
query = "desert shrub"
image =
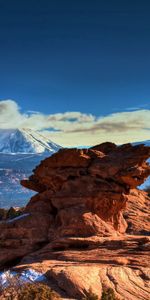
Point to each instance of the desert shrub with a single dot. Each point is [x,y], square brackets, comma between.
[29,291]
[90,296]
[17,289]
[36,291]
[9,292]
[108,294]
[147,189]
[3,214]
[12,213]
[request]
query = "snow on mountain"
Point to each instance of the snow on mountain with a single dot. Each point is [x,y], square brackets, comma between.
[146,143]
[20,152]
[15,141]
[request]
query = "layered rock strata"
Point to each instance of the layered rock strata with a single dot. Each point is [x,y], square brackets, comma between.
[87,213]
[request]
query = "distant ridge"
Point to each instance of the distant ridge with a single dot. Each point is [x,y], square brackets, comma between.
[146,184]
[146,143]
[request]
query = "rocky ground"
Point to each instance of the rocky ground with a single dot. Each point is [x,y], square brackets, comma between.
[87,228]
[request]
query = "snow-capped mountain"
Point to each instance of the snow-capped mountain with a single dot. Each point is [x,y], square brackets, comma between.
[25,141]
[20,151]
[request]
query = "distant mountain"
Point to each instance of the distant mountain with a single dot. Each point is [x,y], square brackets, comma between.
[13,168]
[147,182]
[25,141]
[146,143]
[20,151]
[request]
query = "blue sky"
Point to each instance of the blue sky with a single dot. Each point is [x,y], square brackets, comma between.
[83,65]
[88,56]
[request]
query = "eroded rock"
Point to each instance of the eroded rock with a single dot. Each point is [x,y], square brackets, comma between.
[87,212]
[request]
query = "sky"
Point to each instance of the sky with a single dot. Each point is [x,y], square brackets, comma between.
[77,70]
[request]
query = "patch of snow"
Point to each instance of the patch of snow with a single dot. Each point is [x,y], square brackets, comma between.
[25,276]
[32,276]
[18,218]
[5,277]
[147,181]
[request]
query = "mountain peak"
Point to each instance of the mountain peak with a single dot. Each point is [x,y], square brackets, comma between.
[25,141]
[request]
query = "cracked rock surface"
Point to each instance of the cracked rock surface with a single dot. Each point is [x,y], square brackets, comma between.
[88,225]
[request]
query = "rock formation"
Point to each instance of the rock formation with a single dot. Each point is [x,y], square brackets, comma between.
[88,224]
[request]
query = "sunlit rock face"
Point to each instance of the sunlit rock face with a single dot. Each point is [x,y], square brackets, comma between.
[87,217]
[88,189]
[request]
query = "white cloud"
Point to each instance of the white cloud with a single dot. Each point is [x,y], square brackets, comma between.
[10,115]
[76,128]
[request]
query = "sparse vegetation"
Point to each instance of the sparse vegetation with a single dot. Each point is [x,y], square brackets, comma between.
[36,291]
[29,291]
[3,214]
[16,289]
[13,213]
[10,213]
[147,189]
[108,294]
[90,296]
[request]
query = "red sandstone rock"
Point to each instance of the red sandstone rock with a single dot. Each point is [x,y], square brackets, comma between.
[89,180]
[137,213]
[119,263]
[85,200]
